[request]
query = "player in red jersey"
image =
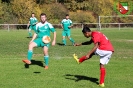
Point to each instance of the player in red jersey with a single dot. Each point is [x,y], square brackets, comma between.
[102,47]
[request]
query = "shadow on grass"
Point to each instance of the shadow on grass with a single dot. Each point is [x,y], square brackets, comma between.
[80,77]
[28,37]
[60,44]
[36,72]
[34,62]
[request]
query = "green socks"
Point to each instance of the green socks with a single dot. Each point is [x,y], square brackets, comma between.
[29,55]
[46,59]
[30,34]
[72,40]
[64,41]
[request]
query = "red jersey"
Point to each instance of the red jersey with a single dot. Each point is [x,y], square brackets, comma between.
[102,40]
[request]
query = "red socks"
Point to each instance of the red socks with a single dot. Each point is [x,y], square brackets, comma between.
[83,58]
[102,70]
[102,75]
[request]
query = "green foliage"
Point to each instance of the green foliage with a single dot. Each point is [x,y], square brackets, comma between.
[37,11]
[22,9]
[82,17]
[1,10]
[45,1]
[7,16]
[55,12]
[7,1]
[14,11]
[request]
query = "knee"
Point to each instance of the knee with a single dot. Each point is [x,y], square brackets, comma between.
[101,65]
[45,53]
[31,45]
[63,37]
[69,37]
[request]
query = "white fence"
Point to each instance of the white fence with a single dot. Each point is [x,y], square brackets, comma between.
[116,25]
[117,19]
[75,25]
[13,26]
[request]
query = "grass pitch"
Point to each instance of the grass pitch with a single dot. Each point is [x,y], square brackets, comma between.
[63,70]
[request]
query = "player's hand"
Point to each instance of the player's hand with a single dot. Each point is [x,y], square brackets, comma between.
[53,43]
[77,44]
[87,56]
[69,26]
[28,26]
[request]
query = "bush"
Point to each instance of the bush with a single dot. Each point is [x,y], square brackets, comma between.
[55,12]
[82,17]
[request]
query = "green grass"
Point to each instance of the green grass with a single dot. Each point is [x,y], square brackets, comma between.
[63,71]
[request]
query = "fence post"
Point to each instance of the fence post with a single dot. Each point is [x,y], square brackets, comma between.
[119,26]
[8,27]
[82,25]
[99,23]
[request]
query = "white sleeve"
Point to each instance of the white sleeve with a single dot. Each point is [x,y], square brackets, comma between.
[70,21]
[50,25]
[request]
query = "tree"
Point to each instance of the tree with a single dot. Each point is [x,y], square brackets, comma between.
[1,10]
[7,1]
[82,17]
[55,12]
[41,2]
[22,9]
[5,13]
[87,10]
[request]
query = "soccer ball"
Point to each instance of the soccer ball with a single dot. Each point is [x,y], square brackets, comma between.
[46,39]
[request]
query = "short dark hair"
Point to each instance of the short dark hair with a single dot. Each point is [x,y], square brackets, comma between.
[67,14]
[86,29]
[42,14]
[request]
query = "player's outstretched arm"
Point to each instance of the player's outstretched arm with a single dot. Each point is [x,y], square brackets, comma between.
[54,39]
[61,26]
[87,42]
[83,43]
[70,26]
[92,50]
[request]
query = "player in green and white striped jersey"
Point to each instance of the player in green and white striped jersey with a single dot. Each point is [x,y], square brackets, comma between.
[66,24]
[32,24]
[43,28]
